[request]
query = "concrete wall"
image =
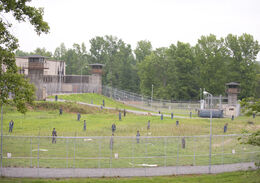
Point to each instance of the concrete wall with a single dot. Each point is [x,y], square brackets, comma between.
[51,66]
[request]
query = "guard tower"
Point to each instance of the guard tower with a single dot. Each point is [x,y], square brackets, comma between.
[96,77]
[232,90]
[36,68]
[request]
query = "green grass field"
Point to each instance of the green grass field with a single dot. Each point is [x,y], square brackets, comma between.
[94,153]
[232,177]
[93,98]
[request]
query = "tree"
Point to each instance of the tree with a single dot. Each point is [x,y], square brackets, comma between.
[158,70]
[120,66]
[243,51]
[10,80]
[186,85]
[212,60]
[143,49]
[42,52]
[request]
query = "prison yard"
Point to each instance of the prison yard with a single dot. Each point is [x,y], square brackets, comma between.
[164,144]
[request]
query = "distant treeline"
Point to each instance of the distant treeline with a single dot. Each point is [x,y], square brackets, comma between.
[176,72]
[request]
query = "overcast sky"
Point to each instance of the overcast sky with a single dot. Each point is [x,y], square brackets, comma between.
[162,22]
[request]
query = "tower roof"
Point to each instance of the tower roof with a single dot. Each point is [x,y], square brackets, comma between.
[233,83]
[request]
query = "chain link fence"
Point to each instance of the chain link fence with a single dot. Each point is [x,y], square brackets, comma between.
[166,106]
[124,152]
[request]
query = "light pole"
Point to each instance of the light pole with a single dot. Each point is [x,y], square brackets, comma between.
[152,94]
[210,136]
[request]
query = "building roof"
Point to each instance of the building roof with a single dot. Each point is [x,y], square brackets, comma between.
[96,64]
[233,83]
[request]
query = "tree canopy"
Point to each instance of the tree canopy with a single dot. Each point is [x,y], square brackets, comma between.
[10,80]
[176,72]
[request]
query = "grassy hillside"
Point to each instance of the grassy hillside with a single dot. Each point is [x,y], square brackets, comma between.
[44,116]
[96,99]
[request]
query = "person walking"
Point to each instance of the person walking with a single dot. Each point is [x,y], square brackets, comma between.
[148,125]
[85,126]
[113,128]
[54,135]
[138,137]
[11,125]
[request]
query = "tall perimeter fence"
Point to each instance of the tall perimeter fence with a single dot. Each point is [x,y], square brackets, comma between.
[107,153]
[156,105]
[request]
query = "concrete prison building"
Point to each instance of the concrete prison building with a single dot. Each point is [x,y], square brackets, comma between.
[49,76]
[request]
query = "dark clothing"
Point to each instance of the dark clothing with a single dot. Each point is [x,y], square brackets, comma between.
[161,116]
[225,128]
[148,125]
[78,116]
[85,125]
[253,115]
[232,118]
[56,97]
[177,123]
[61,111]
[113,128]
[11,125]
[137,137]
[54,135]
[104,103]
[120,116]
[171,115]
[183,143]
[124,112]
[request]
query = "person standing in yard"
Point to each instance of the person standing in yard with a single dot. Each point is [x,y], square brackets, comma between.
[183,143]
[119,115]
[78,116]
[113,128]
[54,135]
[11,125]
[138,137]
[225,128]
[148,125]
[111,142]
[85,125]
[60,111]
[124,112]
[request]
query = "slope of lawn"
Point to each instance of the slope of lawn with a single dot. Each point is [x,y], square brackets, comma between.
[97,99]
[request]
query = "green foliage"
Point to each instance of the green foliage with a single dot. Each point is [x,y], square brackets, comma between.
[177,72]
[120,66]
[250,105]
[10,80]
[243,51]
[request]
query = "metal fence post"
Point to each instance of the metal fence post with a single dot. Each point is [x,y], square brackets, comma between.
[222,150]
[165,153]
[31,152]
[38,155]
[74,153]
[177,160]
[67,153]
[194,146]
[99,152]
[133,151]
